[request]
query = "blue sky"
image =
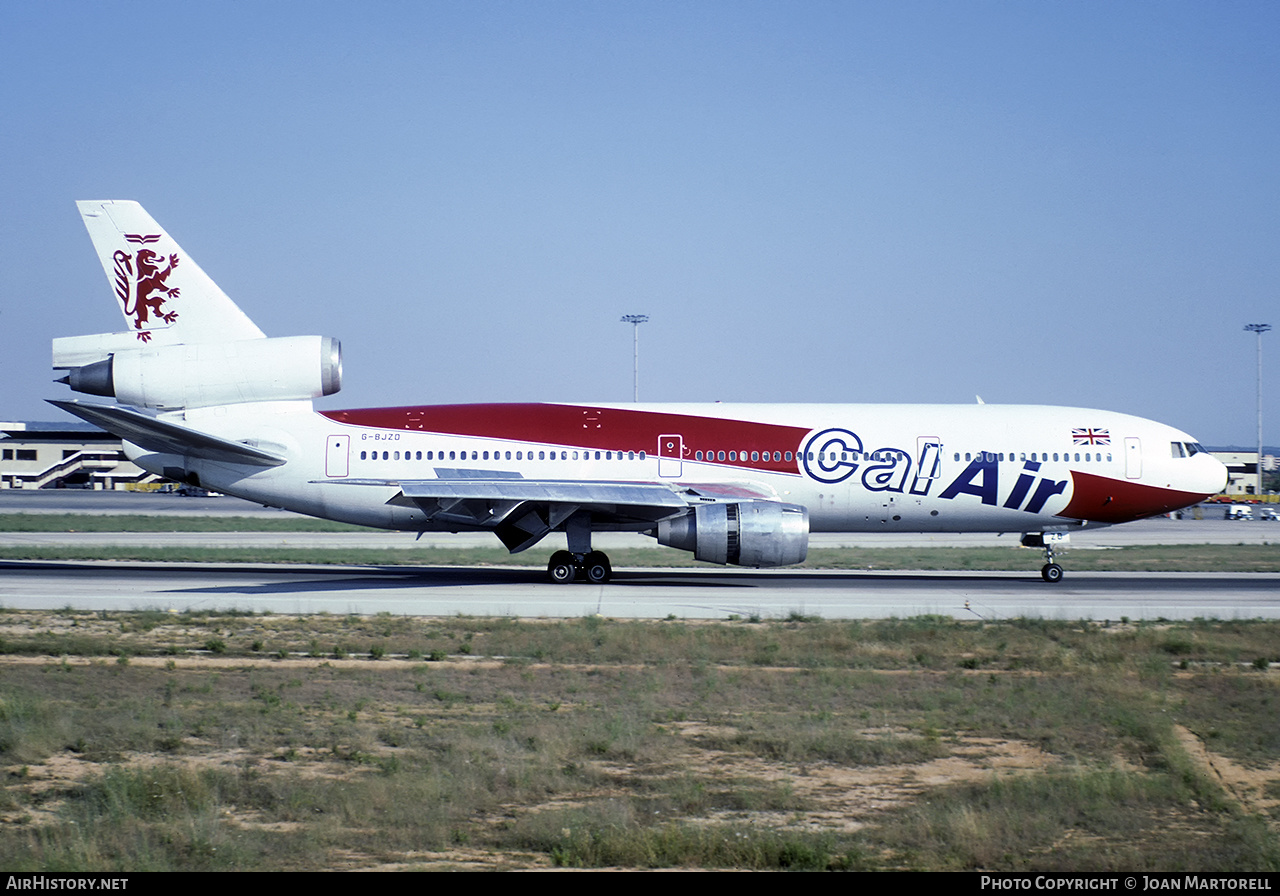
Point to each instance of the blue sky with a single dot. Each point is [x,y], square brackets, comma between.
[1061,203]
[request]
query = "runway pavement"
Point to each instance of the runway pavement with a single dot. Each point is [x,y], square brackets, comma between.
[643,593]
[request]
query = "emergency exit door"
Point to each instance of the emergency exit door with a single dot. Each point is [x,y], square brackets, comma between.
[336,452]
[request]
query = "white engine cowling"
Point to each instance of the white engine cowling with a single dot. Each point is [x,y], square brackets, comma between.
[750,533]
[207,374]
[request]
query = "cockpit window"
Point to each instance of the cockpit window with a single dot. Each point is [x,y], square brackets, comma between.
[1178,450]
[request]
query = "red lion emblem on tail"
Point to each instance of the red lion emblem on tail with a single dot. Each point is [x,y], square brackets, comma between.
[141,285]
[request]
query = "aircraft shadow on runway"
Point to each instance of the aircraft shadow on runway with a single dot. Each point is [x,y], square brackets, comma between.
[246,579]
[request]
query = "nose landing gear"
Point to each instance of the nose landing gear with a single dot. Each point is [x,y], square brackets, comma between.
[1051,572]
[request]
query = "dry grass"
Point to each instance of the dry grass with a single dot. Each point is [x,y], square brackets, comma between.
[128,742]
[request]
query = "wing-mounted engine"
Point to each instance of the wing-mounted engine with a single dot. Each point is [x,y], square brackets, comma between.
[748,533]
[195,375]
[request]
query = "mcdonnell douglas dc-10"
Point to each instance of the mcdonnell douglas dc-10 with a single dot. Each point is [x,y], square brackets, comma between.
[205,398]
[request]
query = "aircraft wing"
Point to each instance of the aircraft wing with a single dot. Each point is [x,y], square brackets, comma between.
[164,437]
[522,511]
[731,491]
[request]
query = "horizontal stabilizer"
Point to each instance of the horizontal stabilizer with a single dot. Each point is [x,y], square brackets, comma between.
[167,438]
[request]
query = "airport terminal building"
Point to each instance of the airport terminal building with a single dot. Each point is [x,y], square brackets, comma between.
[66,455]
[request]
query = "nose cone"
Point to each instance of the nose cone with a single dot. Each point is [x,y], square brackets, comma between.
[1210,476]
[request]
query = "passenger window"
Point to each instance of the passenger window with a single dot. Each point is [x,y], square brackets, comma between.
[788,455]
[362,455]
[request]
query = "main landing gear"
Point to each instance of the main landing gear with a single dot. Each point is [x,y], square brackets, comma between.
[579,563]
[592,567]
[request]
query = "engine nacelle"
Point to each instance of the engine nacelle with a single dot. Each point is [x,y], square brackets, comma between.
[750,533]
[206,374]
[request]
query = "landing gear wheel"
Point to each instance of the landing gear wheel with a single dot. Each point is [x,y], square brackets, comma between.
[561,569]
[597,568]
[1052,573]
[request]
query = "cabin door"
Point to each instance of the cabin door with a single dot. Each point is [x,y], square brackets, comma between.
[1132,457]
[670,455]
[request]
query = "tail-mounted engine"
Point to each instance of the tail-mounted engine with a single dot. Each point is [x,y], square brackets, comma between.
[751,533]
[215,373]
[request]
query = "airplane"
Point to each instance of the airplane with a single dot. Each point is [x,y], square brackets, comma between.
[204,397]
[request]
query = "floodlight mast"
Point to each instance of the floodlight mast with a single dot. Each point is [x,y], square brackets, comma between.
[1259,329]
[635,320]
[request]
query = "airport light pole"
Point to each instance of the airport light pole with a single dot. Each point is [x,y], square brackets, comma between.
[635,320]
[1259,329]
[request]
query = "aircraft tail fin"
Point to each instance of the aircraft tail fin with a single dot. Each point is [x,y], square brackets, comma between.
[165,297]
[187,345]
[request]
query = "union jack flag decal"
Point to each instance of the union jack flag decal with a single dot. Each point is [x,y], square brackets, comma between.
[1090,436]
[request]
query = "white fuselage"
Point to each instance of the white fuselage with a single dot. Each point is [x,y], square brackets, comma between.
[911,468]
